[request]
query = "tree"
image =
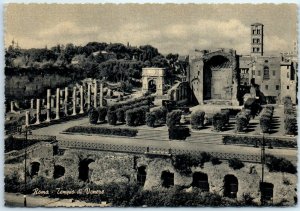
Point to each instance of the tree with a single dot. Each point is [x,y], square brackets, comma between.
[173,118]
[197,119]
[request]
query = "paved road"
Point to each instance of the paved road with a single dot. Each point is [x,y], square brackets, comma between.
[159,139]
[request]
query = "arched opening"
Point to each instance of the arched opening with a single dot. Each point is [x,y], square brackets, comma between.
[84,170]
[141,175]
[266,73]
[266,191]
[200,180]
[152,86]
[212,75]
[230,186]
[59,171]
[35,168]
[167,179]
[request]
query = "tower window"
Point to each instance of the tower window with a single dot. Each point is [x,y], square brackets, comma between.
[287,87]
[267,87]
[258,73]
[266,73]
[253,50]
[274,72]
[277,87]
[258,31]
[253,31]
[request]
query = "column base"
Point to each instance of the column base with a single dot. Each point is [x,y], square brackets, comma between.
[48,120]
[81,112]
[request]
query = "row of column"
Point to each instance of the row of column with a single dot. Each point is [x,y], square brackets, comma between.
[59,102]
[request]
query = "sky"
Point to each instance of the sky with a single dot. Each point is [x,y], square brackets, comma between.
[169,27]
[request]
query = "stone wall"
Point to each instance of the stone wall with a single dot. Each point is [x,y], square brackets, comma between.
[107,167]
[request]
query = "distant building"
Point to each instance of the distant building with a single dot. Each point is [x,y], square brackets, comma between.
[223,77]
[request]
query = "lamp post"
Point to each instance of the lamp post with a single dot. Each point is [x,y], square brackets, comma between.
[25,131]
[262,168]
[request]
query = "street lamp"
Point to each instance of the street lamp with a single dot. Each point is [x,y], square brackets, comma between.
[25,131]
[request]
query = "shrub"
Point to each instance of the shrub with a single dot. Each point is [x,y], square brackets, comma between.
[265,124]
[219,121]
[290,125]
[150,119]
[173,118]
[178,132]
[120,112]
[241,122]
[235,163]
[103,130]
[197,119]
[226,113]
[253,105]
[215,161]
[136,116]
[280,165]
[160,115]
[102,113]
[112,117]
[93,116]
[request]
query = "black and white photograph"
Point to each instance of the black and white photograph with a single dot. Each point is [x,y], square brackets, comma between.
[150,105]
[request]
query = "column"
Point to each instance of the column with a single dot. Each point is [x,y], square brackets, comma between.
[81,100]
[38,111]
[57,103]
[11,106]
[48,105]
[89,97]
[27,118]
[74,100]
[66,100]
[95,93]
[52,101]
[101,95]
[31,103]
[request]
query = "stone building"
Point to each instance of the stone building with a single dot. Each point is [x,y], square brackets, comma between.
[223,77]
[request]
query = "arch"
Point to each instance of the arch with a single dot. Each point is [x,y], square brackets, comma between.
[152,87]
[34,169]
[141,175]
[84,170]
[266,191]
[231,185]
[200,180]
[167,179]
[59,171]
[266,73]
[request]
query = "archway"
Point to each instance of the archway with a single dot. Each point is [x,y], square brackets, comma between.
[141,175]
[214,72]
[35,168]
[84,170]
[230,186]
[152,86]
[200,180]
[167,179]
[59,171]
[266,191]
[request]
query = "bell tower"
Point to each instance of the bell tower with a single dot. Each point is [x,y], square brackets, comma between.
[257,39]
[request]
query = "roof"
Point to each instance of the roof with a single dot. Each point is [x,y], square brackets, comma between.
[256,24]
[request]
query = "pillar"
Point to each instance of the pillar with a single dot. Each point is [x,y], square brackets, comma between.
[81,100]
[89,97]
[57,103]
[31,103]
[52,101]
[74,100]
[43,103]
[12,106]
[66,100]
[38,111]
[101,95]
[95,93]
[48,105]
[27,118]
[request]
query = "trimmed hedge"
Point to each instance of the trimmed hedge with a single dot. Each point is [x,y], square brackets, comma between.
[93,116]
[150,119]
[173,118]
[197,119]
[255,141]
[135,103]
[242,120]
[253,105]
[178,132]
[112,117]
[290,125]
[219,121]
[120,112]
[102,113]
[266,119]
[235,163]
[136,116]
[103,130]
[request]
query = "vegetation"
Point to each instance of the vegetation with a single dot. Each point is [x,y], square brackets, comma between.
[102,113]
[173,118]
[276,164]
[266,119]
[102,130]
[290,120]
[112,117]
[235,163]
[93,116]
[197,119]
[253,105]
[136,116]
[178,132]
[219,121]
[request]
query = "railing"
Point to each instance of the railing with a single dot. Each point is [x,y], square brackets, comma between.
[153,150]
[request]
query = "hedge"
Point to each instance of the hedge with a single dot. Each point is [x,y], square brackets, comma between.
[135,103]
[103,130]
[197,119]
[255,141]
[160,115]
[136,116]
[219,121]
[276,164]
[120,112]
[112,117]
[235,163]
[290,125]
[173,118]
[178,132]
[93,116]
[253,105]
[266,119]
[150,119]
[102,113]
